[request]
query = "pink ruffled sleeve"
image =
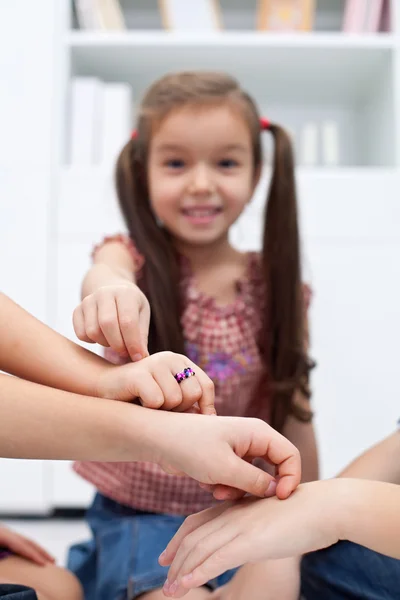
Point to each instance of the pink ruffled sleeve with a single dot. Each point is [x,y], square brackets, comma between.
[138,259]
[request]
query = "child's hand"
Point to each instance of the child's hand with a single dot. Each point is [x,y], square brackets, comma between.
[21,546]
[221,451]
[117,316]
[152,381]
[250,530]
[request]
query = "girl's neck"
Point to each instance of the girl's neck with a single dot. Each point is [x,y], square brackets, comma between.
[204,257]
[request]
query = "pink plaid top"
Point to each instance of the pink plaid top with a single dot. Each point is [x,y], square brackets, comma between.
[223,342]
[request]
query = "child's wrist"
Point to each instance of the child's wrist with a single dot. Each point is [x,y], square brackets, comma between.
[349,498]
[151,425]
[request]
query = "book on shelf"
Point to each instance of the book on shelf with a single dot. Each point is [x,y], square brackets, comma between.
[190,15]
[286,15]
[85,121]
[116,122]
[330,143]
[103,15]
[100,122]
[309,154]
[366,16]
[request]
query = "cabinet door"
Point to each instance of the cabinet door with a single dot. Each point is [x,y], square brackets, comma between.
[355,328]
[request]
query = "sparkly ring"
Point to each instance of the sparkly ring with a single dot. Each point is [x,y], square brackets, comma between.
[185,374]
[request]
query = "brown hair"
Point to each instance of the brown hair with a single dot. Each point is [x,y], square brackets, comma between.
[282,333]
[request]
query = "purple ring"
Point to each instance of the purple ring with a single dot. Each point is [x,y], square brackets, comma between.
[185,374]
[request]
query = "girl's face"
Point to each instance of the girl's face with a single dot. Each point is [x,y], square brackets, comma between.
[201,172]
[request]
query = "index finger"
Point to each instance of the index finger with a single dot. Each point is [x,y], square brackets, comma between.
[190,524]
[128,317]
[28,549]
[286,457]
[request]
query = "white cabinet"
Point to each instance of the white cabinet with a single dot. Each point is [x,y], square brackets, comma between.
[355,332]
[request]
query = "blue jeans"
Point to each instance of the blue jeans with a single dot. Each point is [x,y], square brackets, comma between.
[120,562]
[347,571]
[16,592]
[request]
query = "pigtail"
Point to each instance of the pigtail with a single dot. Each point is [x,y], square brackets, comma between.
[283,333]
[161,270]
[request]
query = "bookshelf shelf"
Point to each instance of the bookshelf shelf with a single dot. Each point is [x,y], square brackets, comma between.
[294,77]
[78,38]
[273,65]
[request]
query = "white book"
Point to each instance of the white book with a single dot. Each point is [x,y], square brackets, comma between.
[117,121]
[87,14]
[85,121]
[330,143]
[308,154]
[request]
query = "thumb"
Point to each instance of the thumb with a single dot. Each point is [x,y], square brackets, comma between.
[144,324]
[251,479]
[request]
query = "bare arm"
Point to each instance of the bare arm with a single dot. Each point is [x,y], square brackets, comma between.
[370,515]
[112,264]
[315,516]
[40,422]
[381,462]
[33,351]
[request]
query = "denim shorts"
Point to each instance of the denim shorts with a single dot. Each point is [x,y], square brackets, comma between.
[347,571]
[120,562]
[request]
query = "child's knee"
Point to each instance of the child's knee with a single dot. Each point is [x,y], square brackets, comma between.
[60,584]
[49,582]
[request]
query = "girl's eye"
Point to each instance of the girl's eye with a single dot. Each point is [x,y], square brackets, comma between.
[228,163]
[175,163]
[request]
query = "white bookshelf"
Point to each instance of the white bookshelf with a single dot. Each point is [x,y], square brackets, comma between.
[350,214]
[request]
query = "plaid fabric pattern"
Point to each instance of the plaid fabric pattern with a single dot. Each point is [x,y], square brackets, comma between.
[222,341]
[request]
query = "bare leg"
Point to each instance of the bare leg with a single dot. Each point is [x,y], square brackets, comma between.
[198,594]
[49,582]
[269,580]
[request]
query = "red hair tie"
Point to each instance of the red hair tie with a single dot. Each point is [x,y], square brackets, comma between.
[265,124]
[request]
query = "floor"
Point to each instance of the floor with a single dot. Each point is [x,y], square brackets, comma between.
[53,534]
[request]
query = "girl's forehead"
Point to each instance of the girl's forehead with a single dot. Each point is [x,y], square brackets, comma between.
[190,124]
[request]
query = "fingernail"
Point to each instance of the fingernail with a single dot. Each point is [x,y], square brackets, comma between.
[166,586]
[173,587]
[137,357]
[271,489]
[161,557]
